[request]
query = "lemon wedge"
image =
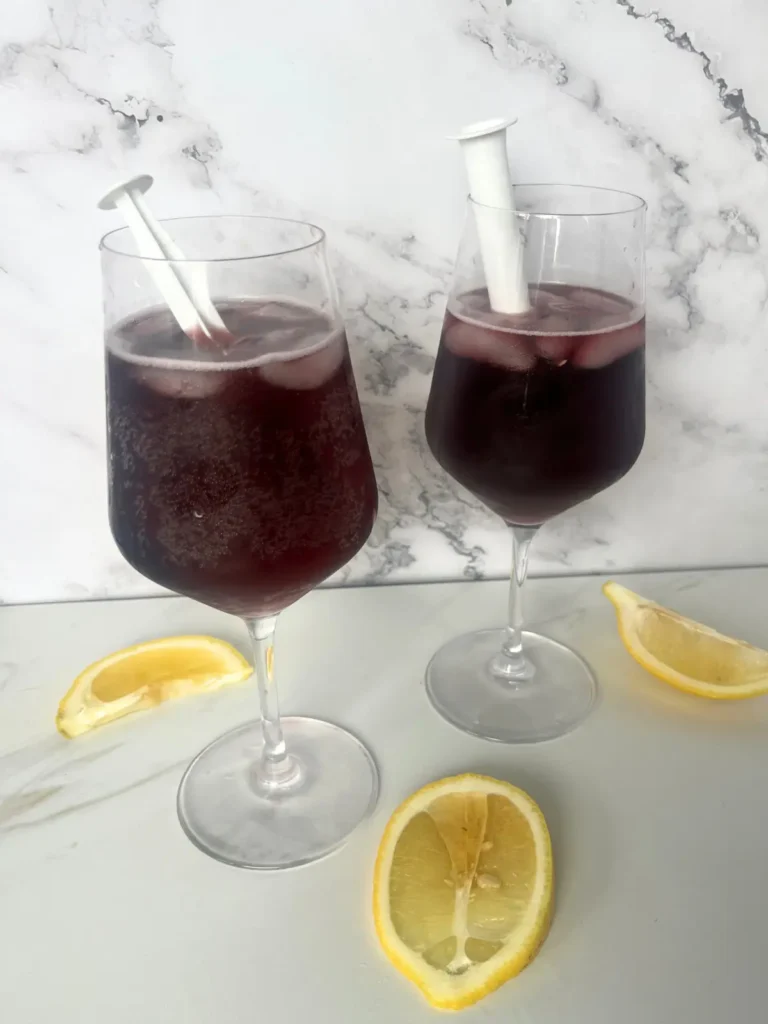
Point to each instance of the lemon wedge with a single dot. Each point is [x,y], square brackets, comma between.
[462,894]
[685,653]
[147,674]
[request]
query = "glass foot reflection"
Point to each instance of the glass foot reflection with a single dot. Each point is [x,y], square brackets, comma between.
[226,814]
[464,690]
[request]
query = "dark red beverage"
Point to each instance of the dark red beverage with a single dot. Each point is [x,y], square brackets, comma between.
[240,478]
[536,412]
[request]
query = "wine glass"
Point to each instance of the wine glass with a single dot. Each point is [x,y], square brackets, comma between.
[533,413]
[240,475]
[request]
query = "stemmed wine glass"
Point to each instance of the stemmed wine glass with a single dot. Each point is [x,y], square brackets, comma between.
[240,475]
[533,413]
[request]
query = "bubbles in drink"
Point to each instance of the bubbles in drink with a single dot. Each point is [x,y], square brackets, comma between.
[239,476]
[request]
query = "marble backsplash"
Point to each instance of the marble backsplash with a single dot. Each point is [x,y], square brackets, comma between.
[338,112]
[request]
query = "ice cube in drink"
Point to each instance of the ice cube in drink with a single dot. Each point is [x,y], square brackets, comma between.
[240,477]
[536,412]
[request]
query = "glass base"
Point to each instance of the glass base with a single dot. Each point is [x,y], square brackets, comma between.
[555,698]
[227,812]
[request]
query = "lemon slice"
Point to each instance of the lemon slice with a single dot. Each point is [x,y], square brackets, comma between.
[685,653]
[462,893]
[147,674]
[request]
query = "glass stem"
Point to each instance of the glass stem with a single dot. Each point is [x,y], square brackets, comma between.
[511,662]
[277,769]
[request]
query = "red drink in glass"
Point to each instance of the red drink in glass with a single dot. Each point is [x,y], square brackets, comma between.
[534,413]
[240,475]
[535,410]
[240,479]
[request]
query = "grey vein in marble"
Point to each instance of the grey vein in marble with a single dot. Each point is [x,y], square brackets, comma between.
[731,99]
[88,95]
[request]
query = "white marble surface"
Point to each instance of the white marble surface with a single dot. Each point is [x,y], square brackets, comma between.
[656,807]
[338,112]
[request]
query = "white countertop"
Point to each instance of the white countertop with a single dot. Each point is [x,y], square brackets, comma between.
[657,807]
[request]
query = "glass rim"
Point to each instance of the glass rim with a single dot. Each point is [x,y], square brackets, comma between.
[635,202]
[105,246]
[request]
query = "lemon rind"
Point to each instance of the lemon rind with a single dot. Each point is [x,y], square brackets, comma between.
[627,603]
[80,711]
[455,992]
